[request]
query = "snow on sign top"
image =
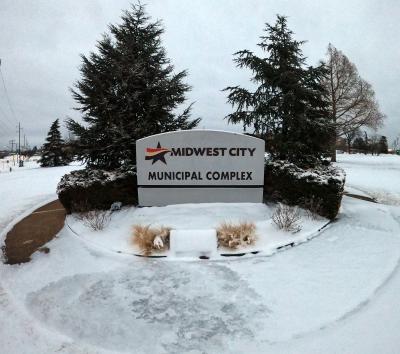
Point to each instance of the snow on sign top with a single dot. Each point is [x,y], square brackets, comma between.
[195,166]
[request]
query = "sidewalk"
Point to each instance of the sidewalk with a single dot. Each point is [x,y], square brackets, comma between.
[34,231]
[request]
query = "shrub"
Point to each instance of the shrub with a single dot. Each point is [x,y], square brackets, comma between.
[91,189]
[287,218]
[312,206]
[150,239]
[95,219]
[234,236]
[287,183]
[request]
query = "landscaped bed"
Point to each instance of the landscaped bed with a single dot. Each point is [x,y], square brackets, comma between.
[118,232]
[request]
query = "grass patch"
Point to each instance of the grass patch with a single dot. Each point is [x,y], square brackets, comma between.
[149,239]
[235,236]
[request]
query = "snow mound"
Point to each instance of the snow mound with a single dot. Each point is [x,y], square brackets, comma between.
[195,243]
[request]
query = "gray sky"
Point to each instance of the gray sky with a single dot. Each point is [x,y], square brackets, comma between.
[40,43]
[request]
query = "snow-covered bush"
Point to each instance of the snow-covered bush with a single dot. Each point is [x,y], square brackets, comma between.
[91,189]
[312,206]
[149,239]
[236,235]
[287,183]
[95,219]
[287,218]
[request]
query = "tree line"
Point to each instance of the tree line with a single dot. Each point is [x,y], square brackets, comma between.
[129,89]
[361,142]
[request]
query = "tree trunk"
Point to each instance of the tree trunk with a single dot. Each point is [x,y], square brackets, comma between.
[333,156]
[333,149]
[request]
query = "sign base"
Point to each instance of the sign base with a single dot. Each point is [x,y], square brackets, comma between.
[165,196]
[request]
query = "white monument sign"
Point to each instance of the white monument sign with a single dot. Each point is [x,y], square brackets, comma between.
[199,166]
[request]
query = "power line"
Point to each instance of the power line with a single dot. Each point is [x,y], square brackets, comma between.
[7,96]
[12,114]
[6,117]
[7,123]
[5,128]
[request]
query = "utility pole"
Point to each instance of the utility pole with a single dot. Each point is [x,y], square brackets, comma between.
[20,162]
[19,142]
[12,142]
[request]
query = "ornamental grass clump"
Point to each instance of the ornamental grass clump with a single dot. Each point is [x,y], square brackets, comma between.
[149,239]
[97,220]
[234,236]
[287,218]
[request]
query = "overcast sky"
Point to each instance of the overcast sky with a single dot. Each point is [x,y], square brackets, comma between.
[40,43]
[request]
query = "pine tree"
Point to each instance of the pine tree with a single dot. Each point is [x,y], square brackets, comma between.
[360,144]
[128,91]
[383,145]
[288,107]
[53,153]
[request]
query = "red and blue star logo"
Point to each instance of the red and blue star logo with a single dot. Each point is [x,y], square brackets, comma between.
[156,154]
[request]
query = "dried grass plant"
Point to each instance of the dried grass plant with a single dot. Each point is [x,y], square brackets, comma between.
[149,239]
[287,218]
[236,235]
[95,219]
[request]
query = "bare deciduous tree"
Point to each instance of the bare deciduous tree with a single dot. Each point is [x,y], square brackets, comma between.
[352,99]
[350,136]
[396,143]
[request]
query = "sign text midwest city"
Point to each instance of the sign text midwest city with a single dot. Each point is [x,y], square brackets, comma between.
[212,151]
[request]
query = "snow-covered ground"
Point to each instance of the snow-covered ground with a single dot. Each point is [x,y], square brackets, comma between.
[11,161]
[376,176]
[26,187]
[335,294]
[190,218]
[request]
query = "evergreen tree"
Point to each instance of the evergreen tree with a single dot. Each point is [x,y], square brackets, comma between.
[53,153]
[360,144]
[288,107]
[383,145]
[31,152]
[128,91]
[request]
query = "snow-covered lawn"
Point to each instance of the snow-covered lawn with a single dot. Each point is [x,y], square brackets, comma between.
[25,187]
[20,191]
[335,294]
[376,176]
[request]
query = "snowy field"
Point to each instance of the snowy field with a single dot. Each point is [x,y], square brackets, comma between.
[337,293]
[376,176]
[25,187]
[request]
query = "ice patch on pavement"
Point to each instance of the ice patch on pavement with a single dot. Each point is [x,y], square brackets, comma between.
[153,307]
